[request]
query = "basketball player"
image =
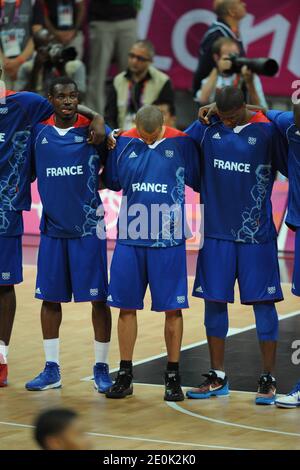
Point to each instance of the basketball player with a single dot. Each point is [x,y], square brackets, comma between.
[151,164]
[18,113]
[241,153]
[288,123]
[72,258]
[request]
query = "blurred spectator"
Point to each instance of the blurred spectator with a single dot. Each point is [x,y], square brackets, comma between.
[229,14]
[140,84]
[50,60]
[113,29]
[169,112]
[18,19]
[60,429]
[249,82]
[64,18]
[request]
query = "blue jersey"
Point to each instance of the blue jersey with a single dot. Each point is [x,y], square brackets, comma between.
[286,125]
[67,170]
[18,113]
[153,179]
[238,168]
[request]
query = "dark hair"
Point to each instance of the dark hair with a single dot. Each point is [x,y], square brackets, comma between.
[229,98]
[146,44]
[60,81]
[171,106]
[149,118]
[51,423]
[219,43]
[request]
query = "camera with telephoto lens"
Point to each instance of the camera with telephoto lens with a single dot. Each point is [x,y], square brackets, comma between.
[59,54]
[261,66]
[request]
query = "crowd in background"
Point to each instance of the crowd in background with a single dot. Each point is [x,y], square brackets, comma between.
[83,39]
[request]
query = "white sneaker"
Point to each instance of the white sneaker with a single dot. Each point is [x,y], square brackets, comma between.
[291,400]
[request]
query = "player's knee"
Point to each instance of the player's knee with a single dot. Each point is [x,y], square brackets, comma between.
[266,321]
[216,319]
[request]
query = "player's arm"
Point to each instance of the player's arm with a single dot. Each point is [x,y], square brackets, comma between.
[110,175]
[207,112]
[97,126]
[282,120]
[192,154]
[196,131]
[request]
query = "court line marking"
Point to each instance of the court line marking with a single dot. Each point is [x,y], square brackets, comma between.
[135,438]
[231,332]
[178,408]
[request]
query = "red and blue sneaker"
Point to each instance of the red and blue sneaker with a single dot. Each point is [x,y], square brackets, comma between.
[213,386]
[49,378]
[3,375]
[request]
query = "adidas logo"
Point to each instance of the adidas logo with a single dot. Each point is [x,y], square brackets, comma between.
[45,141]
[297,133]
[38,290]
[5,276]
[78,138]
[199,289]
[271,290]
[94,292]
[133,155]
[180,299]
[216,136]
[109,298]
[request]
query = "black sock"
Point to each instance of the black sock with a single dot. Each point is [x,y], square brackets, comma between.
[126,365]
[173,366]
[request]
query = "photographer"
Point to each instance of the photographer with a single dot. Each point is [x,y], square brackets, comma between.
[50,60]
[221,76]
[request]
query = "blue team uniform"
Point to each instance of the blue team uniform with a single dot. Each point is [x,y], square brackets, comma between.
[284,121]
[18,113]
[151,250]
[72,255]
[238,168]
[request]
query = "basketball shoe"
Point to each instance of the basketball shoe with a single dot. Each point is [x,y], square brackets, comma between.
[49,378]
[266,393]
[213,386]
[291,400]
[102,380]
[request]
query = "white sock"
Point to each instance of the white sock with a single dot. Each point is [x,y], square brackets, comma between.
[220,373]
[3,353]
[101,352]
[51,348]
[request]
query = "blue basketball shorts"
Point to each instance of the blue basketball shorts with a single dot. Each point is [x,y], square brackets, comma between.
[11,271]
[133,268]
[255,267]
[72,267]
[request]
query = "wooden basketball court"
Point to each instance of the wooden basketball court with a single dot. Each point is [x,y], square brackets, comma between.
[143,421]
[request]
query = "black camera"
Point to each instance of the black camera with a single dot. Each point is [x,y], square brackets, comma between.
[261,66]
[59,54]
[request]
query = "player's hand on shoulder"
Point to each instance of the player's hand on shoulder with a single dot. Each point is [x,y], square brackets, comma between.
[112,138]
[97,131]
[206,112]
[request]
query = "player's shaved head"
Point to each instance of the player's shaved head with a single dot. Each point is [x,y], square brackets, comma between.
[230,98]
[149,118]
[224,8]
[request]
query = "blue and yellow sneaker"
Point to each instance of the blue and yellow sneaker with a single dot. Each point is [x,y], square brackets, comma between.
[291,400]
[102,380]
[49,378]
[266,393]
[213,386]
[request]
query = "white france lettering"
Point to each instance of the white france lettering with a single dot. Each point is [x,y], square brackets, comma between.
[150,187]
[232,166]
[2,137]
[65,171]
